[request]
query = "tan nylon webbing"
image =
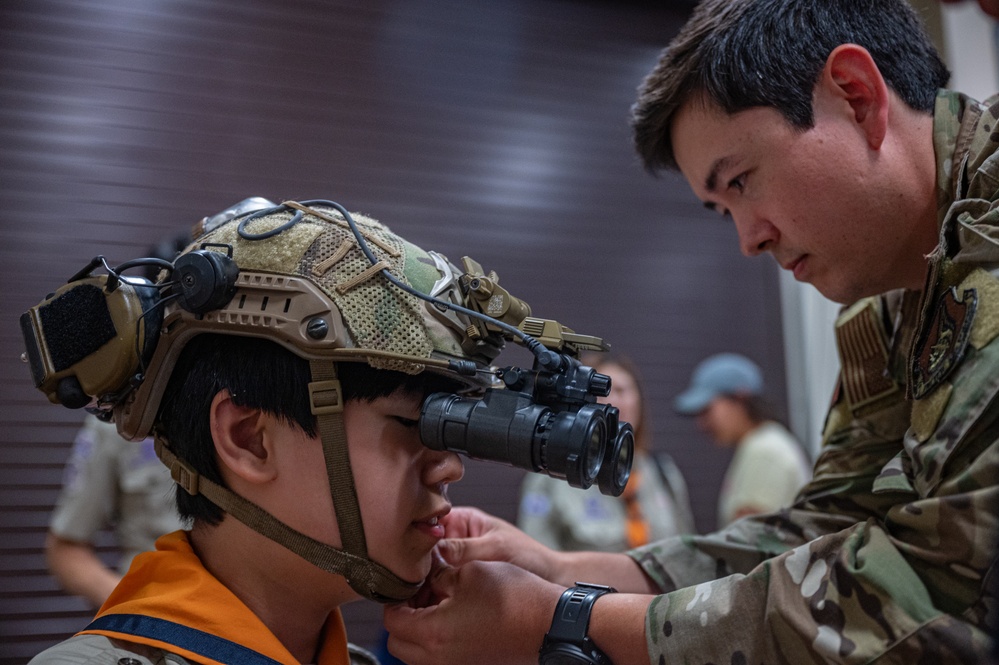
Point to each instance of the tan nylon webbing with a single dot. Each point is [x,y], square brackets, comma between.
[337,457]
[366,577]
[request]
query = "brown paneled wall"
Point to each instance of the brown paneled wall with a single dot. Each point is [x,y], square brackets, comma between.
[493,129]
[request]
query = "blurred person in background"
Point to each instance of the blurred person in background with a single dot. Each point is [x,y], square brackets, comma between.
[769,466]
[110,481]
[654,504]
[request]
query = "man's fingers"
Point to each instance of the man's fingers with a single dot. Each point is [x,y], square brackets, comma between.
[456,551]
[437,585]
[404,625]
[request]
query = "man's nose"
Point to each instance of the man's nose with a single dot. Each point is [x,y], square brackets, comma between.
[756,233]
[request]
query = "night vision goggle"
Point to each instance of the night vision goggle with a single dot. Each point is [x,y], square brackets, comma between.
[99,341]
[544,420]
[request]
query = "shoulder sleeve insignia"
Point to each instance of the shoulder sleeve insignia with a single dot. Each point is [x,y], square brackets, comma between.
[943,341]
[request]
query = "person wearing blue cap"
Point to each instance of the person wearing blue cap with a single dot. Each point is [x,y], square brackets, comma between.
[769,465]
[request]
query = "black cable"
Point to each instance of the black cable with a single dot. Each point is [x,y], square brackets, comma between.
[243,233]
[150,261]
[546,357]
[159,304]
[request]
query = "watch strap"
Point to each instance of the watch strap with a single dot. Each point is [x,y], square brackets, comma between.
[571,620]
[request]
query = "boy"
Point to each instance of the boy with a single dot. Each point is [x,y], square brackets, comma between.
[282,375]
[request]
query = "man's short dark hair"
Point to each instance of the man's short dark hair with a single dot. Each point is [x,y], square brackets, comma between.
[259,374]
[741,54]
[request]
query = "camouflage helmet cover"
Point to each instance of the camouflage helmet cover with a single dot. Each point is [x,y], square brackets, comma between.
[305,283]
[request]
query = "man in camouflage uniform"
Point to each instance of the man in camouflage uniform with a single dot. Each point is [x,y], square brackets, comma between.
[818,127]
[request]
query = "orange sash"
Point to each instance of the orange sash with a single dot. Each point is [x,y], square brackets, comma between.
[169,601]
[637,527]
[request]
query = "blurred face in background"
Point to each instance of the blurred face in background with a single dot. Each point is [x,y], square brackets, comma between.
[624,393]
[725,420]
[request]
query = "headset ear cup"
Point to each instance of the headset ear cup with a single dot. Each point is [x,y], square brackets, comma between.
[206,279]
[88,340]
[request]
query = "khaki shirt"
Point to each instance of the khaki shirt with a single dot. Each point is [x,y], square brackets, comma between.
[568,518]
[112,481]
[766,472]
[84,649]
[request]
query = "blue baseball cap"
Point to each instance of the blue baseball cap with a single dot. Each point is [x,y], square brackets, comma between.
[721,374]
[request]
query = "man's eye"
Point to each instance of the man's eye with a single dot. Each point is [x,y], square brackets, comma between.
[738,183]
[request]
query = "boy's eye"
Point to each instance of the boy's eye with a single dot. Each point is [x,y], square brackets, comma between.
[406,422]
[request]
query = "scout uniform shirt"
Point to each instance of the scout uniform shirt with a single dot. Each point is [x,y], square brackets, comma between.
[110,480]
[568,518]
[168,608]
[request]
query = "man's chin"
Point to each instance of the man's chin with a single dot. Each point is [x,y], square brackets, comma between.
[837,293]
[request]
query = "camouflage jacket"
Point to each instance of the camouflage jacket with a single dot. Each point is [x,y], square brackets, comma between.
[885,557]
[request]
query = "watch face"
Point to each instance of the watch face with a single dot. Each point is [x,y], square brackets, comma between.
[562,659]
[567,654]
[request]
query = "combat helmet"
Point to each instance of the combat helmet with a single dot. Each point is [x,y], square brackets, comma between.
[328,285]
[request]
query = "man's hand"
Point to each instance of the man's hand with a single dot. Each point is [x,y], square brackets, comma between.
[472,535]
[492,592]
[483,612]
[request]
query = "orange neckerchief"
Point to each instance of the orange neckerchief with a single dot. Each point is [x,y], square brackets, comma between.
[637,527]
[170,588]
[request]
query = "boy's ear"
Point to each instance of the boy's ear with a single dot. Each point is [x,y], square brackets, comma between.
[851,76]
[242,440]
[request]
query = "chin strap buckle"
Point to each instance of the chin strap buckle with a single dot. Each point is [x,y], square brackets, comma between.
[325,397]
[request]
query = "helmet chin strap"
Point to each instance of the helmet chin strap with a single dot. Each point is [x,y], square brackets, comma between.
[368,578]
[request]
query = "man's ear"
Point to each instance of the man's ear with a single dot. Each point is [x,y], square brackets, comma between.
[850,76]
[242,439]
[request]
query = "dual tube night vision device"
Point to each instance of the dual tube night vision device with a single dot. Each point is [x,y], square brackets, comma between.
[332,288]
[542,420]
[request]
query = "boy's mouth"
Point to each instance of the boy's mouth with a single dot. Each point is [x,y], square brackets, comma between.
[431,526]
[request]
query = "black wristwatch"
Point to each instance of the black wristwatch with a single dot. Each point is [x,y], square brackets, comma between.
[567,642]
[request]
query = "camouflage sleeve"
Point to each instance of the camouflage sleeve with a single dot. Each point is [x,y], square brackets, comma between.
[849,597]
[804,586]
[884,554]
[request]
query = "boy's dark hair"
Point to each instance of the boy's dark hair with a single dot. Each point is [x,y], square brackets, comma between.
[263,375]
[741,54]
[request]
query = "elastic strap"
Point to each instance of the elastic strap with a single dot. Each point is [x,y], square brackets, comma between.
[366,577]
